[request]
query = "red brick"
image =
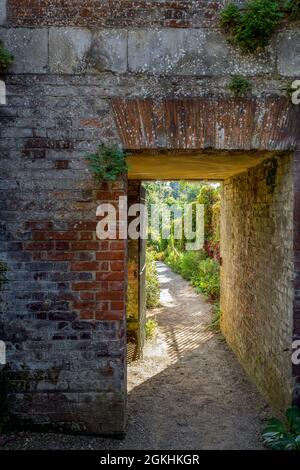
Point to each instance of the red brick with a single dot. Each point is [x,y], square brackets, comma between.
[86,235]
[109,315]
[109,295]
[109,195]
[85,245]
[110,276]
[85,266]
[60,256]
[87,295]
[117,305]
[110,255]
[62,246]
[118,245]
[117,266]
[86,285]
[87,314]
[31,246]
[85,305]
[84,226]
[40,236]
[63,235]
[116,286]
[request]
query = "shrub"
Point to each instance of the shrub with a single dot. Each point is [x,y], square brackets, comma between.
[207,280]
[252,29]
[152,284]
[150,328]
[280,435]
[230,17]
[189,264]
[107,163]
[6,58]
[239,86]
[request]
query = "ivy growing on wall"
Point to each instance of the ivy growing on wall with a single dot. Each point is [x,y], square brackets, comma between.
[107,163]
[6,58]
[251,29]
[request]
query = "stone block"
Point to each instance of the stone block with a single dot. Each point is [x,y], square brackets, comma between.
[68,48]
[197,52]
[108,52]
[29,47]
[2,12]
[75,50]
[289,54]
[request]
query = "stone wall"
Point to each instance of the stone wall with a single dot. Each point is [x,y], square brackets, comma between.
[257,274]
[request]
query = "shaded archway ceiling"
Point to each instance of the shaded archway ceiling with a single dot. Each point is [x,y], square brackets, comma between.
[192,165]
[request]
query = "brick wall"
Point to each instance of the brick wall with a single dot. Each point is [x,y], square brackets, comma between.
[63,312]
[296,325]
[257,274]
[108,13]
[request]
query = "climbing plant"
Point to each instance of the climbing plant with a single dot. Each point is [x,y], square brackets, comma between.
[6,58]
[107,163]
[251,29]
[239,85]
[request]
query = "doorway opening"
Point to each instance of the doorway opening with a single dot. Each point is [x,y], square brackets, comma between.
[255,217]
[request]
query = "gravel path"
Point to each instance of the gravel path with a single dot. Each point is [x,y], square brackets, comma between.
[188,392]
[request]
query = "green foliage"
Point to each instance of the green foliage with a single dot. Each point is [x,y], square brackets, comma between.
[6,58]
[216,317]
[107,163]
[150,328]
[173,259]
[208,196]
[230,17]
[292,8]
[280,435]
[239,85]
[152,284]
[207,279]
[189,263]
[252,29]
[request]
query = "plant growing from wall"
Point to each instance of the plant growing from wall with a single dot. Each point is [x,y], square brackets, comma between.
[280,435]
[251,29]
[239,86]
[292,9]
[107,163]
[6,58]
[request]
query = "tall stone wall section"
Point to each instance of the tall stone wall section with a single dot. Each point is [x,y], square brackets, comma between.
[257,274]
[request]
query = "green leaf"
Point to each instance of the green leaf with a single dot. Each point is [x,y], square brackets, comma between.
[293,418]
